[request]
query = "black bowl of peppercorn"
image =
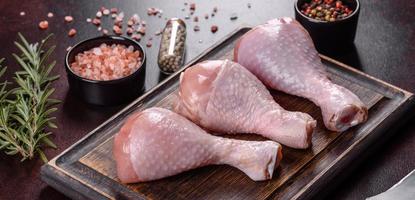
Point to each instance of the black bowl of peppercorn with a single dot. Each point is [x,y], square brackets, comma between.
[331,23]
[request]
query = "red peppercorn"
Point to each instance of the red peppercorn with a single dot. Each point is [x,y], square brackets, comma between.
[338,4]
[214,28]
[326,10]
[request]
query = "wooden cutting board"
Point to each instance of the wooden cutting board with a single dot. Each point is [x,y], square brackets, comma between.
[86,170]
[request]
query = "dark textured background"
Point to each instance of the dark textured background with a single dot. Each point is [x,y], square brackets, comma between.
[384,48]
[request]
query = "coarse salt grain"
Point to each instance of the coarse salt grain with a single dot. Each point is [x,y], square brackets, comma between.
[117,30]
[96,21]
[114,10]
[50,15]
[107,62]
[44,25]
[22,13]
[106,12]
[72,32]
[68,19]
[99,14]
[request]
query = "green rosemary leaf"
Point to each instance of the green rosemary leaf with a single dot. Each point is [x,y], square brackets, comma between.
[25,110]
[46,55]
[52,125]
[3,144]
[25,52]
[49,142]
[42,156]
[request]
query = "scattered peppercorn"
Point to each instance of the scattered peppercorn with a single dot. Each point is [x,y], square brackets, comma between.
[149,44]
[192,6]
[326,10]
[196,28]
[195,19]
[214,28]
[234,16]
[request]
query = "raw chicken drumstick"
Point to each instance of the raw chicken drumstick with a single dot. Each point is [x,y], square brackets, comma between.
[282,55]
[158,143]
[224,97]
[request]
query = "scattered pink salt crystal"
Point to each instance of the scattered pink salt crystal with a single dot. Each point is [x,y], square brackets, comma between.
[142,30]
[99,14]
[44,25]
[136,37]
[72,32]
[96,21]
[22,13]
[135,18]
[130,31]
[114,10]
[106,12]
[68,19]
[50,15]
[154,11]
[117,30]
[157,33]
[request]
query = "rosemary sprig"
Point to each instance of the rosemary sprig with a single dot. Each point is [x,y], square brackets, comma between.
[25,110]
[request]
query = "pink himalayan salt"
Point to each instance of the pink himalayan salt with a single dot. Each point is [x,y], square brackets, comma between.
[107,62]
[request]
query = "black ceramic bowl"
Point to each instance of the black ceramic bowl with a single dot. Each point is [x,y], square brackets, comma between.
[111,92]
[329,36]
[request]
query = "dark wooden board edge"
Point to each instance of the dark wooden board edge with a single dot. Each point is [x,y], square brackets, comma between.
[55,176]
[360,149]
[58,179]
[67,185]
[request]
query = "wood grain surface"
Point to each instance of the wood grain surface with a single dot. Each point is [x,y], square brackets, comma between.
[383,48]
[301,175]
